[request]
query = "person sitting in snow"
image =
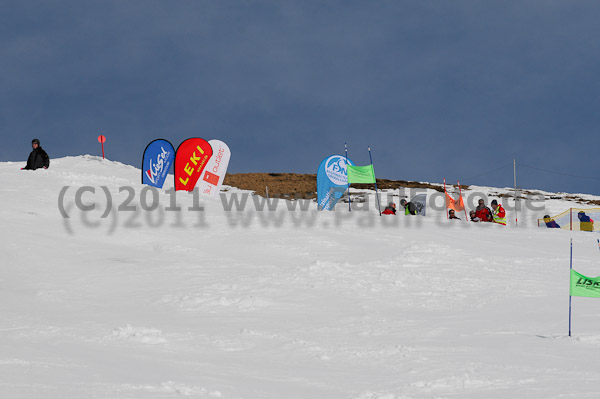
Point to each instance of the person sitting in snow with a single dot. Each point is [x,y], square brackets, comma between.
[499,214]
[390,209]
[452,214]
[550,223]
[38,158]
[409,207]
[586,223]
[483,212]
[474,217]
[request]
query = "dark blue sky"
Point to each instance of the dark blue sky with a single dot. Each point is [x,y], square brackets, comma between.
[437,88]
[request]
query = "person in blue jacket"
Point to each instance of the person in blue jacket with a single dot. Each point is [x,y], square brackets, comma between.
[585,222]
[550,223]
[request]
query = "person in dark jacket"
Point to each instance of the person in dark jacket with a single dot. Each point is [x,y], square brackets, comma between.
[390,209]
[452,214]
[38,157]
[409,207]
[550,223]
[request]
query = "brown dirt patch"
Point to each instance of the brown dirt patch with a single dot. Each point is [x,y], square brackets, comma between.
[290,185]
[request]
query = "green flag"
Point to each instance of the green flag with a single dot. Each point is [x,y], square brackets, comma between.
[584,286]
[360,174]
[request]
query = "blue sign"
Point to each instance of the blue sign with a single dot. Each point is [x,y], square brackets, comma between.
[332,181]
[158,158]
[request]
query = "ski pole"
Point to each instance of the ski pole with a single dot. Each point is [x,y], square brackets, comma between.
[571,267]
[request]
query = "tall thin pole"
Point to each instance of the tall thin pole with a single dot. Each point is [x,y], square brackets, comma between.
[376,193]
[515,173]
[446,199]
[571,268]
[464,209]
[346,147]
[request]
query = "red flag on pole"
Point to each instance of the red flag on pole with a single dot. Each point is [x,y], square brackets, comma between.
[102,140]
[456,204]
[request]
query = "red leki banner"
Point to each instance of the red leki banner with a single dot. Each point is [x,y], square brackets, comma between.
[191,158]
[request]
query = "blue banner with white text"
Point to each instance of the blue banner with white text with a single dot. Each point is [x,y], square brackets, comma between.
[332,181]
[157,160]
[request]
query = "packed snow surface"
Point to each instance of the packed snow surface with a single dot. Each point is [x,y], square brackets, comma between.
[162,303]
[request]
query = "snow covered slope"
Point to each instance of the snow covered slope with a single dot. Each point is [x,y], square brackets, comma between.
[279,304]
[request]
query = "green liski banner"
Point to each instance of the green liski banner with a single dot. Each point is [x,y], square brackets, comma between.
[584,286]
[360,174]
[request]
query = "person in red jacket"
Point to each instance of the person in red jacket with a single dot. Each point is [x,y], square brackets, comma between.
[483,212]
[390,209]
[499,214]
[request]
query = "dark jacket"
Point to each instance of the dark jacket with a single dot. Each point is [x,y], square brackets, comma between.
[552,225]
[410,209]
[38,159]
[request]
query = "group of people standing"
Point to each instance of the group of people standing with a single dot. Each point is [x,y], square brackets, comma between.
[484,214]
[481,214]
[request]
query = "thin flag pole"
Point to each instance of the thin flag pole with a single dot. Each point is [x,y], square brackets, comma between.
[376,193]
[102,139]
[346,147]
[516,211]
[570,218]
[464,209]
[571,268]
[446,199]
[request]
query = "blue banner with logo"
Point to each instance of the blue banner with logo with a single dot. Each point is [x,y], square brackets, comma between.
[157,160]
[332,181]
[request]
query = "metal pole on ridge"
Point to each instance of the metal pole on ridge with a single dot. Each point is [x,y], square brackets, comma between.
[376,194]
[515,172]
[346,147]
[464,209]
[571,268]
[446,199]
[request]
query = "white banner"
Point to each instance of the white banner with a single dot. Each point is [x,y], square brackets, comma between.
[216,168]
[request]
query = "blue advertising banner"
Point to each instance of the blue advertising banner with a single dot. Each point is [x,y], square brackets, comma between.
[157,160]
[332,181]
